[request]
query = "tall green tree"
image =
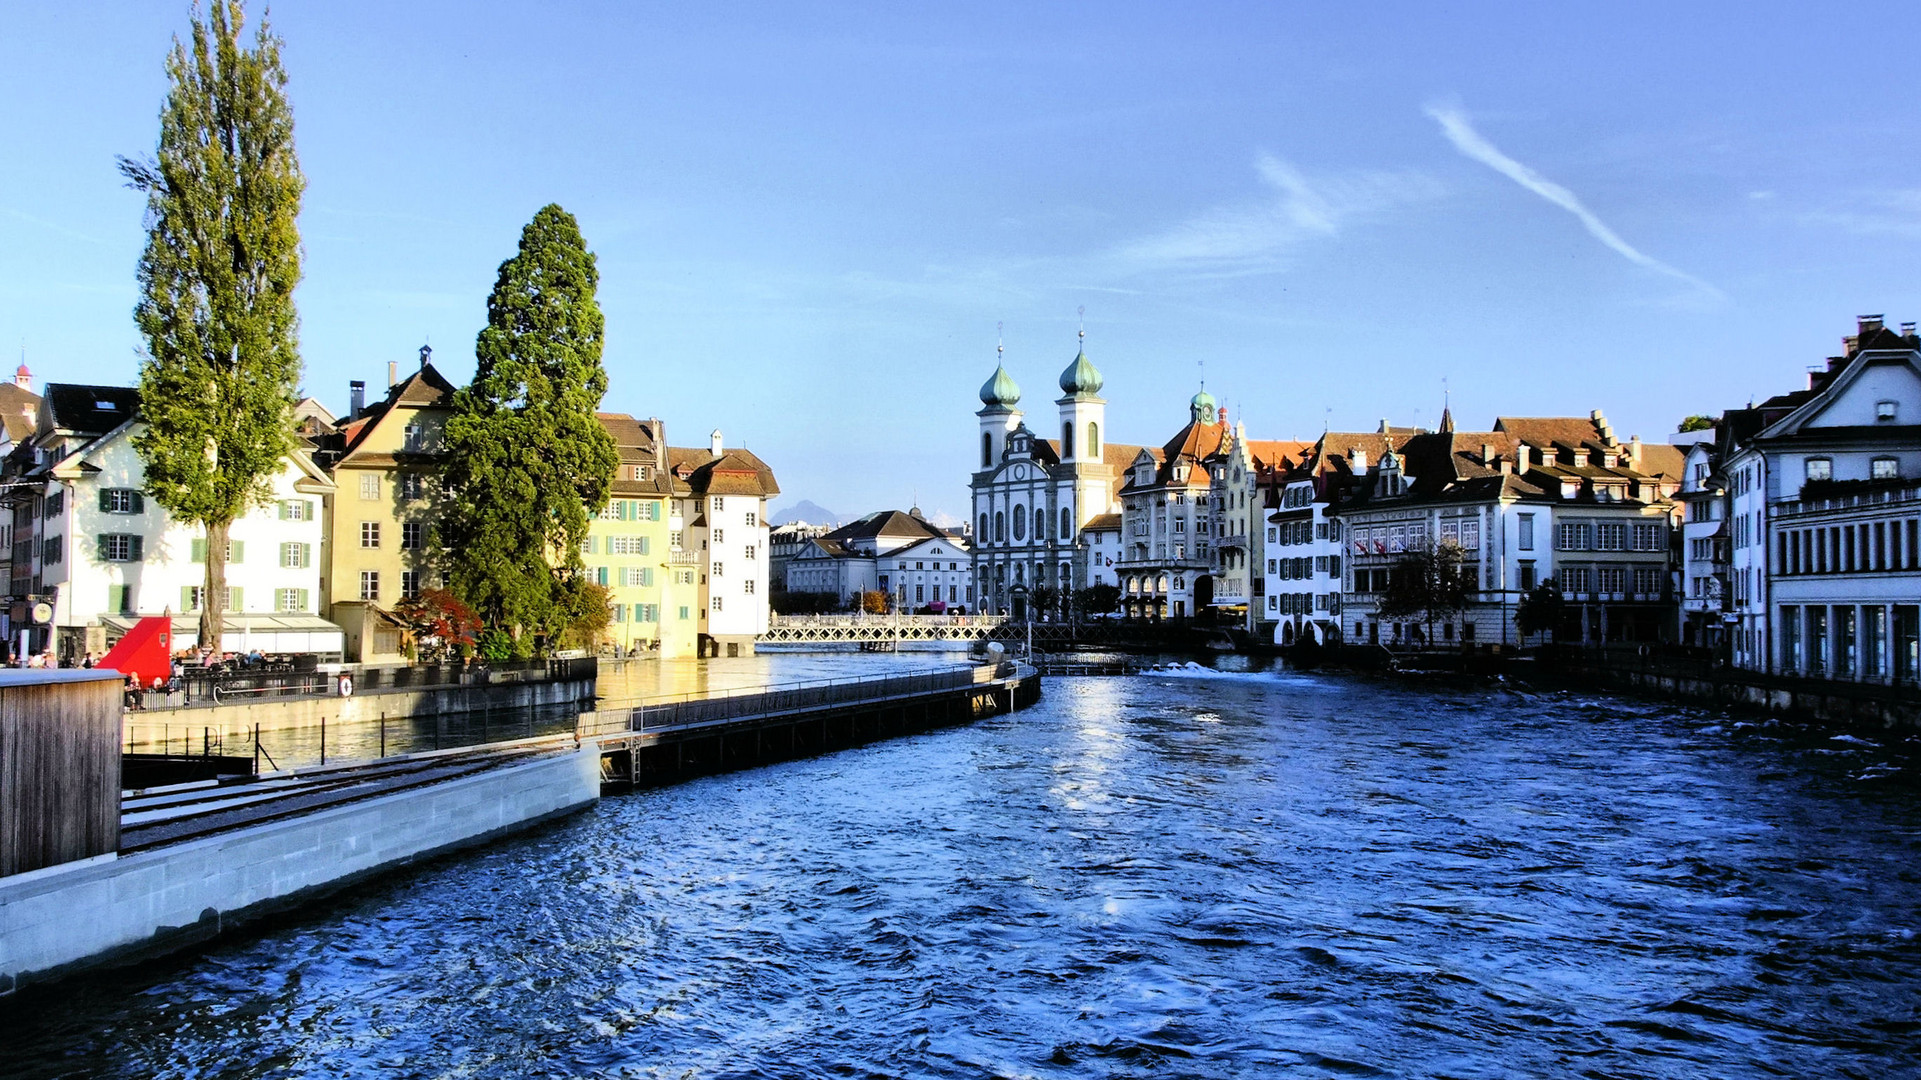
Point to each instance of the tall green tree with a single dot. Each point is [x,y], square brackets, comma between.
[528,460]
[222,366]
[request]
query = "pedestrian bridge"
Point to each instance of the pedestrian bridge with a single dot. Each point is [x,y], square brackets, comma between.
[795,629]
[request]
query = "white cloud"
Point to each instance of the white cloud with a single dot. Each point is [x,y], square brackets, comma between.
[1471,143]
[1881,213]
[1299,208]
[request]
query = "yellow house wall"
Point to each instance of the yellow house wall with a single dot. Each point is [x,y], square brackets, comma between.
[676,636]
[351,505]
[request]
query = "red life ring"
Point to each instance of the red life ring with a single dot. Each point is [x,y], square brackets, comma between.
[346,685]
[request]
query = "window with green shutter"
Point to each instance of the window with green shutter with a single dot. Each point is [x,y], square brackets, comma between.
[600,575]
[234,600]
[236,551]
[200,550]
[121,501]
[646,575]
[120,598]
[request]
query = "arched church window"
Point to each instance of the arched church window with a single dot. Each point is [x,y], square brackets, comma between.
[987,450]
[1067,525]
[1093,439]
[1067,439]
[983,533]
[1000,527]
[1020,523]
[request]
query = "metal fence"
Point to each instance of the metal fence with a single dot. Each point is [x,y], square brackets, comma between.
[691,709]
[240,684]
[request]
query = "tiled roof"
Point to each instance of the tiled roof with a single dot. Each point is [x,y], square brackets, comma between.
[19,409]
[885,523]
[1108,522]
[424,389]
[734,472]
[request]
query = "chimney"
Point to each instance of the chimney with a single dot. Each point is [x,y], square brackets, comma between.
[393,374]
[1867,324]
[1357,459]
[714,443]
[659,431]
[356,398]
[1487,453]
[1907,330]
[1634,452]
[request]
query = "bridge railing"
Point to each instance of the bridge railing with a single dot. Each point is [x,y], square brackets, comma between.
[883,621]
[692,709]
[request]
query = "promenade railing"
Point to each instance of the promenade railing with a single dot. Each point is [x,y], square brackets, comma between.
[694,709]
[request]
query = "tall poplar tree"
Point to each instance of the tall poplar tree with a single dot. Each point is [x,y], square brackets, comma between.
[528,462]
[222,369]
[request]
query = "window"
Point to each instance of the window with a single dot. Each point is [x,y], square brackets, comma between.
[191,595]
[1647,537]
[1820,468]
[1093,439]
[748,553]
[752,519]
[409,484]
[370,486]
[720,536]
[1647,580]
[236,550]
[411,436]
[55,505]
[121,501]
[413,536]
[410,584]
[52,550]
[627,545]
[120,598]
[370,534]
[686,612]
[290,599]
[1527,532]
[718,504]
[296,509]
[370,585]
[1884,468]
[296,556]
[1527,577]
[747,586]
[119,547]
[716,603]
[1884,412]
[1576,537]
[1613,579]
[1577,579]
[1610,536]
[673,540]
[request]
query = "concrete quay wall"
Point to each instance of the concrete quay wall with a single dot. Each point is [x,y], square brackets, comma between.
[111,909]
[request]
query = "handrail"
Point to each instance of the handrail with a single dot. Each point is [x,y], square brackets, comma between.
[689,709]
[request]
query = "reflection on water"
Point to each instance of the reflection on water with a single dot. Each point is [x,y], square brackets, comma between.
[1172,875]
[645,680]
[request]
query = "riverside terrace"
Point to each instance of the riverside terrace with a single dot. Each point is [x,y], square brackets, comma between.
[191,861]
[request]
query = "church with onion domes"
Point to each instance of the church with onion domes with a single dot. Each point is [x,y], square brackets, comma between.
[1035,494]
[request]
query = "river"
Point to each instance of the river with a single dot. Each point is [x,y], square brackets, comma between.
[1215,874]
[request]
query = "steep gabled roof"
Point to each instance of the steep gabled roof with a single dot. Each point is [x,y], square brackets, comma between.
[87,410]
[696,471]
[424,389]
[1103,522]
[885,523]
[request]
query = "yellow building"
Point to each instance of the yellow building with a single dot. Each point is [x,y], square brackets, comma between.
[388,495]
[654,594]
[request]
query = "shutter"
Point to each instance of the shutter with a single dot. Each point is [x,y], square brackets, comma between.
[106,500]
[647,575]
[100,549]
[285,509]
[139,503]
[135,544]
[200,550]
[303,598]
[186,599]
[306,556]
[236,551]
[646,544]
[236,598]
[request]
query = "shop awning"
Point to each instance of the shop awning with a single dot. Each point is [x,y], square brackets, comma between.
[277,633]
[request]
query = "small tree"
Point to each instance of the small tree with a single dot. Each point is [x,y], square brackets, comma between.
[527,459]
[1697,422]
[1097,600]
[442,625]
[218,384]
[584,613]
[1041,600]
[874,602]
[1428,581]
[1541,610]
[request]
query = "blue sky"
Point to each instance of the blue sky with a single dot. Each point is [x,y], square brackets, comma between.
[810,218]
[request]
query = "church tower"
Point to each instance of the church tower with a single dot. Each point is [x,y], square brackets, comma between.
[998,416]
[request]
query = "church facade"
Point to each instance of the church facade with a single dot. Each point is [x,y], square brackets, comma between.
[1033,495]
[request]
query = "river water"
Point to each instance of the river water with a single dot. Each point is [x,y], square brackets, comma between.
[1204,874]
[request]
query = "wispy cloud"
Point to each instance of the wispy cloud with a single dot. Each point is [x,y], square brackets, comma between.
[1473,145]
[1297,208]
[1880,213]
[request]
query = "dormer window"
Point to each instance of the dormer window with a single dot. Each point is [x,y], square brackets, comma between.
[1884,412]
[1884,468]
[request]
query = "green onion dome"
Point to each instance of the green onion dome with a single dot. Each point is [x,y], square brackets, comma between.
[1202,409]
[1081,376]
[1000,390]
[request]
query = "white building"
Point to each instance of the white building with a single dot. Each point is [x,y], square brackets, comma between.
[1032,495]
[110,555]
[1836,484]
[1705,538]
[1101,549]
[718,534]
[1238,501]
[913,562]
[1167,523]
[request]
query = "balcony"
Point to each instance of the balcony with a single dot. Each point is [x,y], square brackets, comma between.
[1238,540]
[1907,492]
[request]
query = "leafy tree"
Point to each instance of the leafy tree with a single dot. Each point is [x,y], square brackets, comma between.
[1540,610]
[1430,581]
[442,625]
[585,612]
[874,602]
[1097,599]
[527,460]
[222,365]
[1041,600]
[1697,422]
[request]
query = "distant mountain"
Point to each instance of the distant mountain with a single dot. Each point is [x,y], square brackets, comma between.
[805,511]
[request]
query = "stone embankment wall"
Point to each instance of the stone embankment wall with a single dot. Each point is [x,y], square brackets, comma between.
[1837,703]
[277,714]
[112,908]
